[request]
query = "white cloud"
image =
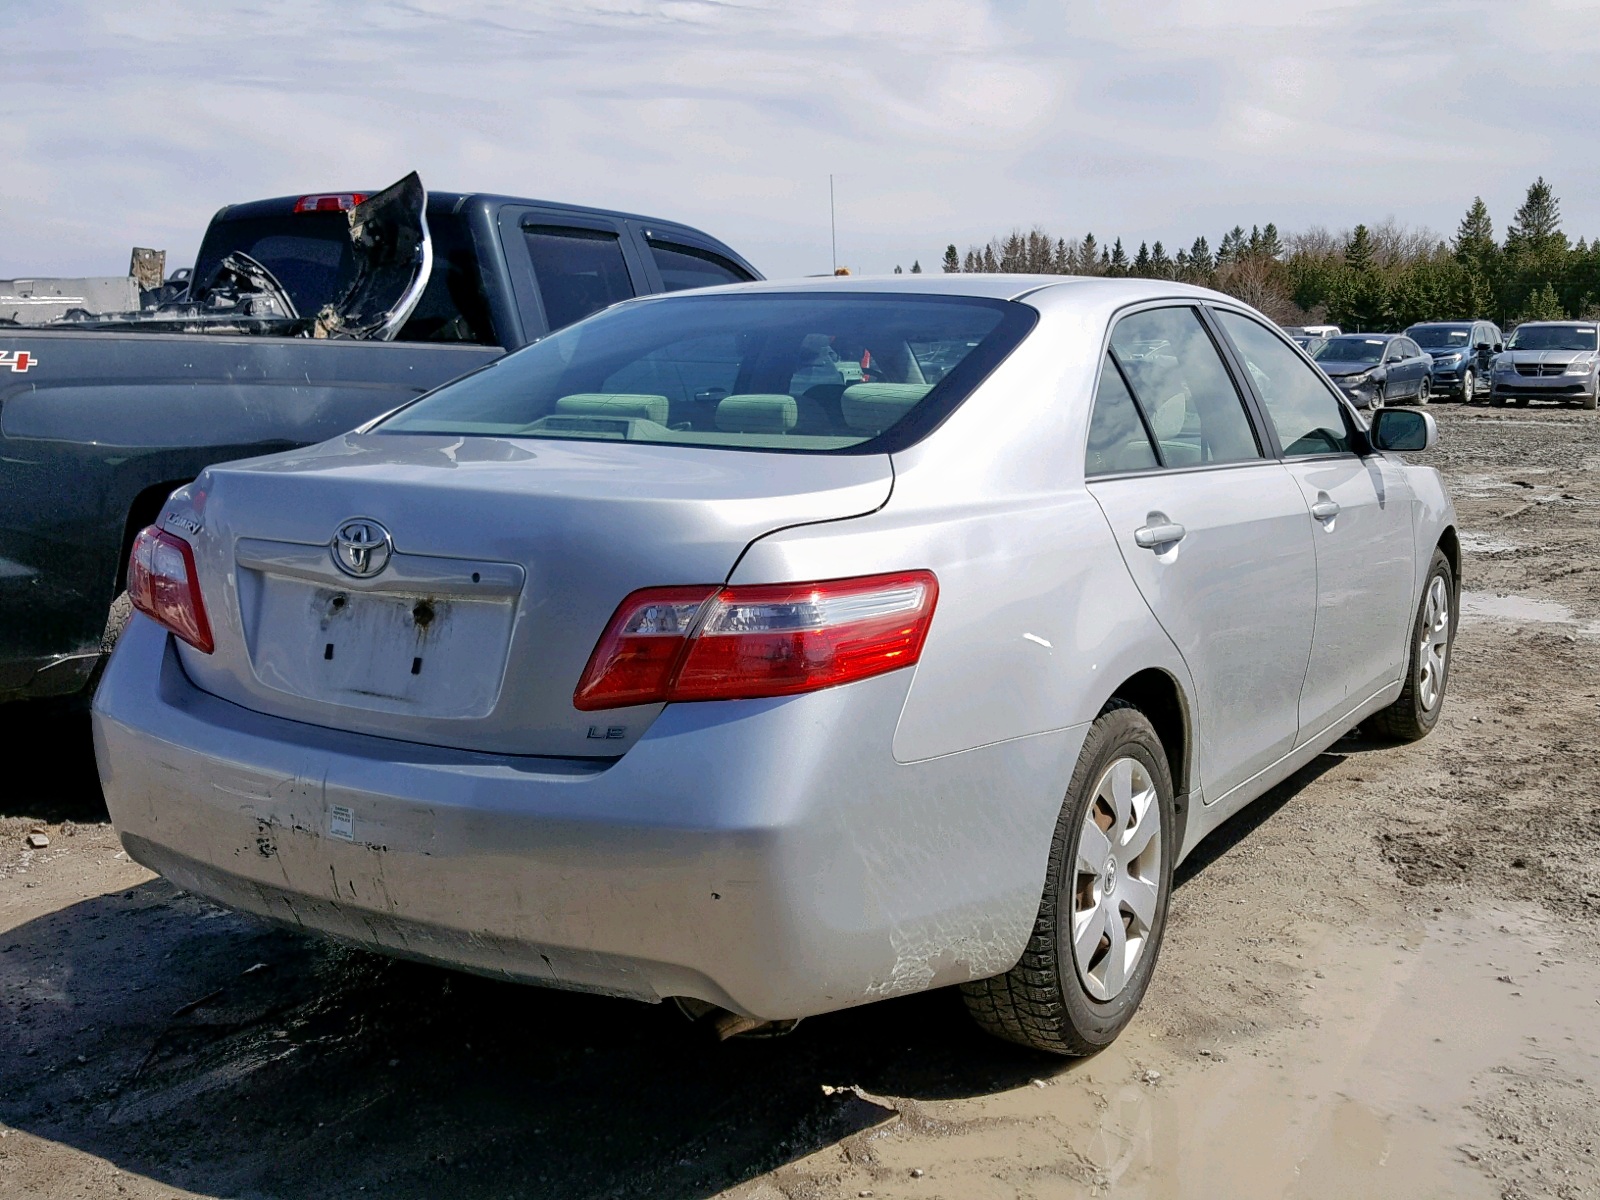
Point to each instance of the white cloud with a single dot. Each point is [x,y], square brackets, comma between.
[944,120]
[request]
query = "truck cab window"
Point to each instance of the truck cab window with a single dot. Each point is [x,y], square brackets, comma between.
[684,267]
[579,271]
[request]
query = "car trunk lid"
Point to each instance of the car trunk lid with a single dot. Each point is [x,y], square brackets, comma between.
[473,576]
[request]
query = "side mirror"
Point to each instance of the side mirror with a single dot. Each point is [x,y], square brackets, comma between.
[1404,429]
[1499,348]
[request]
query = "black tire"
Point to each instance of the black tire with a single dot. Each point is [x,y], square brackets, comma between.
[1042,1002]
[1591,400]
[117,619]
[1495,399]
[1469,387]
[1424,390]
[1524,401]
[1409,719]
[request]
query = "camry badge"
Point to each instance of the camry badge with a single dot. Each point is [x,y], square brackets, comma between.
[361,547]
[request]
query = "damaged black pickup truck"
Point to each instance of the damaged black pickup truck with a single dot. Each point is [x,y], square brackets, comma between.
[303,317]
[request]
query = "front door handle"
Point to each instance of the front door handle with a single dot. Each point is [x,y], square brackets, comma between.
[1325,510]
[1166,534]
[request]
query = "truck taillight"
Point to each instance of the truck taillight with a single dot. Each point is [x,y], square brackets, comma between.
[163,584]
[333,202]
[740,643]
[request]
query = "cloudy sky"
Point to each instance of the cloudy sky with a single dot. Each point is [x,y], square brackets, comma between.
[942,120]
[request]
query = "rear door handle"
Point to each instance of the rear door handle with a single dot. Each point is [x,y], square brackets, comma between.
[1325,510]
[1151,536]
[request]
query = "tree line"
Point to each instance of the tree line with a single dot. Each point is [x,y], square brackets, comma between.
[1382,276]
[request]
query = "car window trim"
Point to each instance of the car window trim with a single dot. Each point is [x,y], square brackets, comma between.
[1353,428]
[1246,399]
[1144,422]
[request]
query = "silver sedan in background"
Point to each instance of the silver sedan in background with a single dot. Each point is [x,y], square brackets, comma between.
[786,647]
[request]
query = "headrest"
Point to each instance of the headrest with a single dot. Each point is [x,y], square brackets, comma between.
[873,407]
[602,404]
[757,413]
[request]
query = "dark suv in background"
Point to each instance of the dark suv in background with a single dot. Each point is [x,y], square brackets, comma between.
[1461,353]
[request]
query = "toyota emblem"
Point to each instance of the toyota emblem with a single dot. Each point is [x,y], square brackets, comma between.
[361,547]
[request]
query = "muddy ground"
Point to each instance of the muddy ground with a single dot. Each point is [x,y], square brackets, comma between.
[1383,979]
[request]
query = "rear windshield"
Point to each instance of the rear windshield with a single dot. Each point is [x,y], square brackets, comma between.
[806,372]
[1439,337]
[1351,350]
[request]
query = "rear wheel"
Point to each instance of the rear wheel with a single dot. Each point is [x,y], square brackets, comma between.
[1414,714]
[1424,390]
[1104,908]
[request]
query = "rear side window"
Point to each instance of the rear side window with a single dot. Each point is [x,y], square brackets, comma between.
[1178,379]
[684,267]
[579,271]
[776,371]
[1299,404]
[1118,440]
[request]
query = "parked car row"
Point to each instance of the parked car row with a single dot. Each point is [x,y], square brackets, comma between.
[1542,360]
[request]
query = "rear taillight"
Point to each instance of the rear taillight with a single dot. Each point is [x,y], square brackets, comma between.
[739,643]
[163,584]
[333,202]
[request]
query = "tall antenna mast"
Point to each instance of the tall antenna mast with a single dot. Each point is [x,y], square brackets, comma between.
[833,226]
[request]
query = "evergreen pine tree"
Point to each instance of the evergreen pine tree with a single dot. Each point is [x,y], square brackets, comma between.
[1063,258]
[1536,229]
[973,263]
[916,266]
[1161,267]
[897,269]
[990,263]
[1231,247]
[1474,243]
[952,260]
[1271,244]
[1200,260]
[1543,305]
[1118,262]
[1358,250]
[1088,255]
[1141,262]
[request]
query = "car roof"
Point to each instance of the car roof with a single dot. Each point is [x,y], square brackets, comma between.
[1585,324]
[1365,337]
[992,286]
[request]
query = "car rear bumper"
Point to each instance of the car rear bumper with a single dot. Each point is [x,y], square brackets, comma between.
[767,856]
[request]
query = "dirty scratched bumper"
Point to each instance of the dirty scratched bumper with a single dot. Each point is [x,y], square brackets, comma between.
[768,856]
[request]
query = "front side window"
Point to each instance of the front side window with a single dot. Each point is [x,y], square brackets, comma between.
[1177,376]
[684,267]
[579,271]
[1307,417]
[1118,440]
[774,371]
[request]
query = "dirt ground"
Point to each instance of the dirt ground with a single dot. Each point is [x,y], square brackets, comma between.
[1382,979]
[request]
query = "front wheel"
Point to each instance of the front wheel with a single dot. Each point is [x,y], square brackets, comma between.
[1416,711]
[1104,908]
[1469,387]
[1591,400]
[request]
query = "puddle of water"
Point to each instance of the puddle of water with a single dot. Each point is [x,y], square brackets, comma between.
[1514,608]
[1368,1097]
[1478,543]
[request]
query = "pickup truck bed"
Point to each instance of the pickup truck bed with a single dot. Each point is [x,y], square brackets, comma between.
[98,426]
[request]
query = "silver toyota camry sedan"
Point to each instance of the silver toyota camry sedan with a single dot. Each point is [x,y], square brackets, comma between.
[785,647]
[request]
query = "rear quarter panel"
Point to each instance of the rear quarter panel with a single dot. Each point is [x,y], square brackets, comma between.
[1037,620]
